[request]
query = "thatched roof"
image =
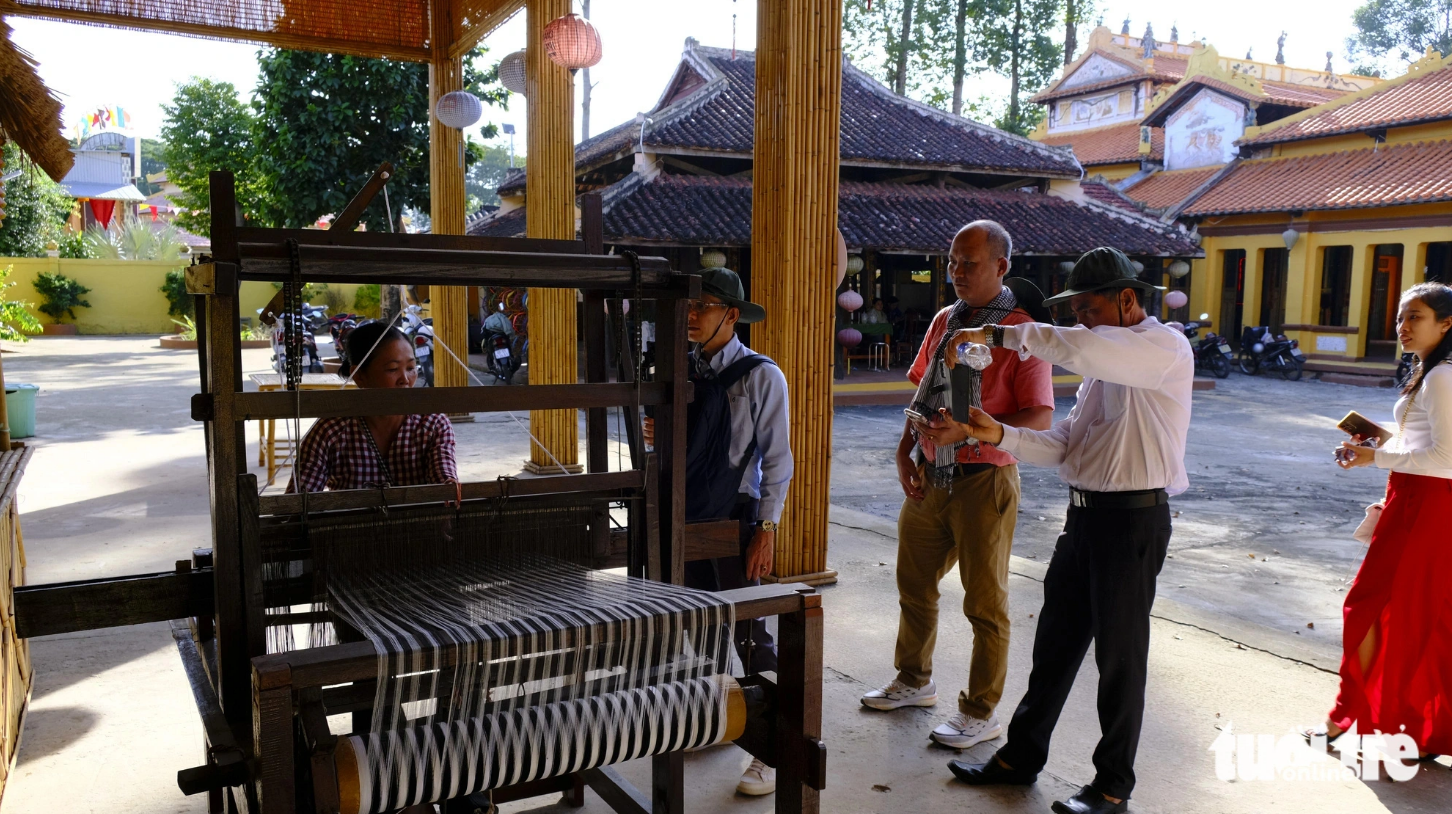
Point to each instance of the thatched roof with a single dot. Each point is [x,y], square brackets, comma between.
[29,113]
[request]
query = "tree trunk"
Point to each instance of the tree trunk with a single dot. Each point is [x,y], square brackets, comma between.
[1071,30]
[899,82]
[1013,67]
[960,55]
[585,94]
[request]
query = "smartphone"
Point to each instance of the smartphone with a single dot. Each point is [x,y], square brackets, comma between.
[1357,424]
[917,418]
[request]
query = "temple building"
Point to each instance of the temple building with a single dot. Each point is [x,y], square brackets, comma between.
[677,181]
[1313,220]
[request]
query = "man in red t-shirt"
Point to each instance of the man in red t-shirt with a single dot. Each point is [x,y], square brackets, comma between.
[966,513]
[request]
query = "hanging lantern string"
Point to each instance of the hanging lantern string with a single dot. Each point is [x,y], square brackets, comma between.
[733,30]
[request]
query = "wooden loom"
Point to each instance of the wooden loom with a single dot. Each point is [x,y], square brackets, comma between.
[268,744]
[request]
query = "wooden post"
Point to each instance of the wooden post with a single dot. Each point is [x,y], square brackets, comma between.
[4,417]
[550,213]
[597,427]
[794,249]
[448,304]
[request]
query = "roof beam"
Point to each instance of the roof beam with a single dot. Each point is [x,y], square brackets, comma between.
[478,19]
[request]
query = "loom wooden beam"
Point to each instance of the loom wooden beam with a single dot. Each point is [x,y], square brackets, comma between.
[597,427]
[424,400]
[268,262]
[550,213]
[91,604]
[793,244]
[227,763]
[347,220]
[603,482]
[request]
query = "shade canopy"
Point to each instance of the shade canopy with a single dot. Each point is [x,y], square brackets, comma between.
[29,113]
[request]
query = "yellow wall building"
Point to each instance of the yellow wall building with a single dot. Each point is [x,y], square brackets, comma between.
[125,295]
[1327,216]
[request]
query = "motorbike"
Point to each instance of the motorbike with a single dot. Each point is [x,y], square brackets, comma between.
[311,362]
[315,316]
[500,356]
[1212,352]
[421,333]
[340,326]
[1262,350]
[1405,367]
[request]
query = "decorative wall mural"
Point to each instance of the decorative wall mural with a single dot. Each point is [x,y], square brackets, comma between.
[1203,131]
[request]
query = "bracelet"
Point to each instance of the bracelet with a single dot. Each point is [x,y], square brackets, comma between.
[997,334]
[767,525]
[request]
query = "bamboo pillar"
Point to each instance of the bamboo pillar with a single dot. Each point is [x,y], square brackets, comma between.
[793,250]
[446,198]
[550,213]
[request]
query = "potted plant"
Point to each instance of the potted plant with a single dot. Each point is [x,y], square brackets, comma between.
[62,297]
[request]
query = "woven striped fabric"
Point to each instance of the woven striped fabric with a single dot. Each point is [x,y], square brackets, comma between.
[500,662]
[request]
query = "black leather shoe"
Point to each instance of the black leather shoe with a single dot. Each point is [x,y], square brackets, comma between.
[991,773]
[1089,801]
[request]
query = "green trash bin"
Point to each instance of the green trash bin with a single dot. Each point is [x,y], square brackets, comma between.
[20,403]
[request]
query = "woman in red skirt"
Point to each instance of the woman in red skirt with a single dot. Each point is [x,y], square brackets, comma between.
[1396,667]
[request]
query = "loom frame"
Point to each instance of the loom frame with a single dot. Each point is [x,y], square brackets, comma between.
[257,709]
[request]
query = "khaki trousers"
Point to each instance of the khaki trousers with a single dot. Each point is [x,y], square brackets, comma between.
[971,525]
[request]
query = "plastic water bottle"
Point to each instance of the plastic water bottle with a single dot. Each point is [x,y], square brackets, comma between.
[974,355]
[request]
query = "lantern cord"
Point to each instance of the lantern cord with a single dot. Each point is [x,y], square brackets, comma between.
[388,208]
[733,30]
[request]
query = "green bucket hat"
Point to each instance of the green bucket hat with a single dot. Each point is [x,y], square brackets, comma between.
[1098,269]
[726,285]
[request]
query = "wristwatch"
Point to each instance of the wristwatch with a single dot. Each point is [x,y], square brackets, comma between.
[766,525]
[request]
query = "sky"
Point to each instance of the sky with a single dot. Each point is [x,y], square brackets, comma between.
[89,66]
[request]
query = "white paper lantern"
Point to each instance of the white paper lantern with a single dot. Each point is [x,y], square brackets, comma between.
[459,109]
[713,259]
[1138,266]
[1289,237]
[849,300]
[1179,269]
[1066,266]
[1176,299]
[854,264]
[511,72]
[841,264]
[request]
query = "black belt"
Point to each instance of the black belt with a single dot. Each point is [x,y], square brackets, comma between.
[964,470]
[1142,499]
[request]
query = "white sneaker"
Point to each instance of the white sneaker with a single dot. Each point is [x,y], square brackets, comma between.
[962,731]
[897,694]
[758,779]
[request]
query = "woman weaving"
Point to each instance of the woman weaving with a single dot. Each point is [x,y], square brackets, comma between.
[381,450]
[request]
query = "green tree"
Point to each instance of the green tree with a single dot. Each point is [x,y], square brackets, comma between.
[152,162]
[1018,39]
[207,127]
[486,173]
[15,318]
[36,207]
[1401,28]
[324,122]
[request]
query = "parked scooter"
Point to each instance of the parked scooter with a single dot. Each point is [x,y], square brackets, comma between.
[1212,352]
[316,316]
[1262,350]
[340,326]
[500,346]
[421,333]
[311,362]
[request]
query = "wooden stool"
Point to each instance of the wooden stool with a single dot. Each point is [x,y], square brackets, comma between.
[269,445]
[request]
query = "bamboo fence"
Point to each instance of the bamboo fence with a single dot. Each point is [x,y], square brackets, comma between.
[15,669]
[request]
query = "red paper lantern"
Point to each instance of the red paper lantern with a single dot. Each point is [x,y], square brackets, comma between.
[849,337]
[572,42]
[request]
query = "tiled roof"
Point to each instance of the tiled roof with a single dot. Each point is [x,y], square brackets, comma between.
[710,211]
[1110,145]
[1105,193]
[1165,69]
[1284,93]
[1420,172]
[878,127]
[1420,97]
[1163,190]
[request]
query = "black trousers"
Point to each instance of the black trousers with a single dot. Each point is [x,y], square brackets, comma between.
[754,644]
[1100,586]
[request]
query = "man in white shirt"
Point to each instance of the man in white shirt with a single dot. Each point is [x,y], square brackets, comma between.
[1122,451]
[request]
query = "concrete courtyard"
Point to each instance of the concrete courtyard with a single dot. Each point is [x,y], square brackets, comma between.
[1246,629]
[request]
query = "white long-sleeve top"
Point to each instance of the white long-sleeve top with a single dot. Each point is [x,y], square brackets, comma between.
[1424,446]
[1127,430]
[759,410]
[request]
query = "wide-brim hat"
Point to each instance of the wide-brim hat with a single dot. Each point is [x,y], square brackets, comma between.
[1030,298]
[1098,269]
[725,285]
